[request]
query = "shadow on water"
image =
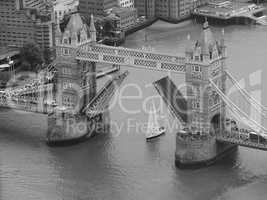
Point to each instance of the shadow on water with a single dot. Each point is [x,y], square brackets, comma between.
[153,146]
[22,127]
[87,170]
[213,181]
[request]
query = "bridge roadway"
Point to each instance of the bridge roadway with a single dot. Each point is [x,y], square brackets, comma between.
[173,98]
[125,56]
[101,101]
[236,138]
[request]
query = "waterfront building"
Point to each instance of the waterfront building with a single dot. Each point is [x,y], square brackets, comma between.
[19,26]
[44,34]
[145,8]
[231,12]
[61,8]
[127,17]
[39,4]
[173,10]
[43,6]
[126,3]
[96,7]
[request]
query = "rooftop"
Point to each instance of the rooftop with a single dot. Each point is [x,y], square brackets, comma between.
[8,52]
[227,9]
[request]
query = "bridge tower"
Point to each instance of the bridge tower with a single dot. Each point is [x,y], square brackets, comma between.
[205,61]
[89,70]
[75,81]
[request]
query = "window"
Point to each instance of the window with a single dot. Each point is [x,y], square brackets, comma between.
[196,68]
[66,51]
[79,37]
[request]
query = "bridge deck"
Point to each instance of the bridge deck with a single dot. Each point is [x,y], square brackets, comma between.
[246,143]
[100,102]
[173,98]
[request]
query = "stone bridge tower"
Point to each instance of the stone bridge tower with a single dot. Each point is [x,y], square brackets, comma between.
[205,61]
[197,145]
[75,83]
[74,75]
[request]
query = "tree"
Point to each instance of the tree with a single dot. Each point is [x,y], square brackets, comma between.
[31,56]
[48,55]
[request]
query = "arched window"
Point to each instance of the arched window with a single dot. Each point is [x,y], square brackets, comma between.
[79,37]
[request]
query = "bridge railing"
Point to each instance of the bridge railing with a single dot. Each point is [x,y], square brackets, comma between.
[131,57]
[242,141]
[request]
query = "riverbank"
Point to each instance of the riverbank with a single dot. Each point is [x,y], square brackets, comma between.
[140,26]
[175,21]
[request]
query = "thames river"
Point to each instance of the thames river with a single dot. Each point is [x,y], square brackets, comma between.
[121,164]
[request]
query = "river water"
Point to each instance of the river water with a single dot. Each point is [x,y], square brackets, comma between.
[120,164]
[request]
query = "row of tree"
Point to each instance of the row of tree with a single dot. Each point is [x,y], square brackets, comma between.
[32,57]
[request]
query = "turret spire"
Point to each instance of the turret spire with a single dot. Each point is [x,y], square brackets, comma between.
[206,25]
[58,34]
[189,47]
[92,29]
[207,40]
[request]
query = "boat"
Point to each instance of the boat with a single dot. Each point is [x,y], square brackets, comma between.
[153,129]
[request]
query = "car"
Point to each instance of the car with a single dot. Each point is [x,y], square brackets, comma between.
[263,138]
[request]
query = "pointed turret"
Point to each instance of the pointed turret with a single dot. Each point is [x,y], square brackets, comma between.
[207,43]
[92,29]
[207,39]
[205,49]
[222,47]
[189,48]
[58,34]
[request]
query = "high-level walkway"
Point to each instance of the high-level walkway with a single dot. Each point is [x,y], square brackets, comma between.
[130,57]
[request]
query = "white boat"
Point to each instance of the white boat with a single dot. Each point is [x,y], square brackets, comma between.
[153,128]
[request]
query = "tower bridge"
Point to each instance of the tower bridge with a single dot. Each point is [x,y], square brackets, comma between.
[204,137]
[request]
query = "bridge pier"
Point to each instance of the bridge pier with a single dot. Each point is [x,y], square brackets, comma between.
[66,128]
[69,124]
[196,145]
[200,152]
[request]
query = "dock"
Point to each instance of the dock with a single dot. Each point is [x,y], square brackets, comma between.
[231,12]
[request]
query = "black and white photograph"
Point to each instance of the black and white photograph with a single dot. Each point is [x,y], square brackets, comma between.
[133,100]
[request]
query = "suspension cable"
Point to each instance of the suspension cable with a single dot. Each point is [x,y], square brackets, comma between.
[246,94]
[235,108]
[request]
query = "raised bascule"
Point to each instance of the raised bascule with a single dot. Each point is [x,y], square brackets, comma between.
[203,137]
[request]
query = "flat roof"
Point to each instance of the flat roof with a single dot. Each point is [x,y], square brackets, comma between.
[226,8]
[4,66]
[4,53]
